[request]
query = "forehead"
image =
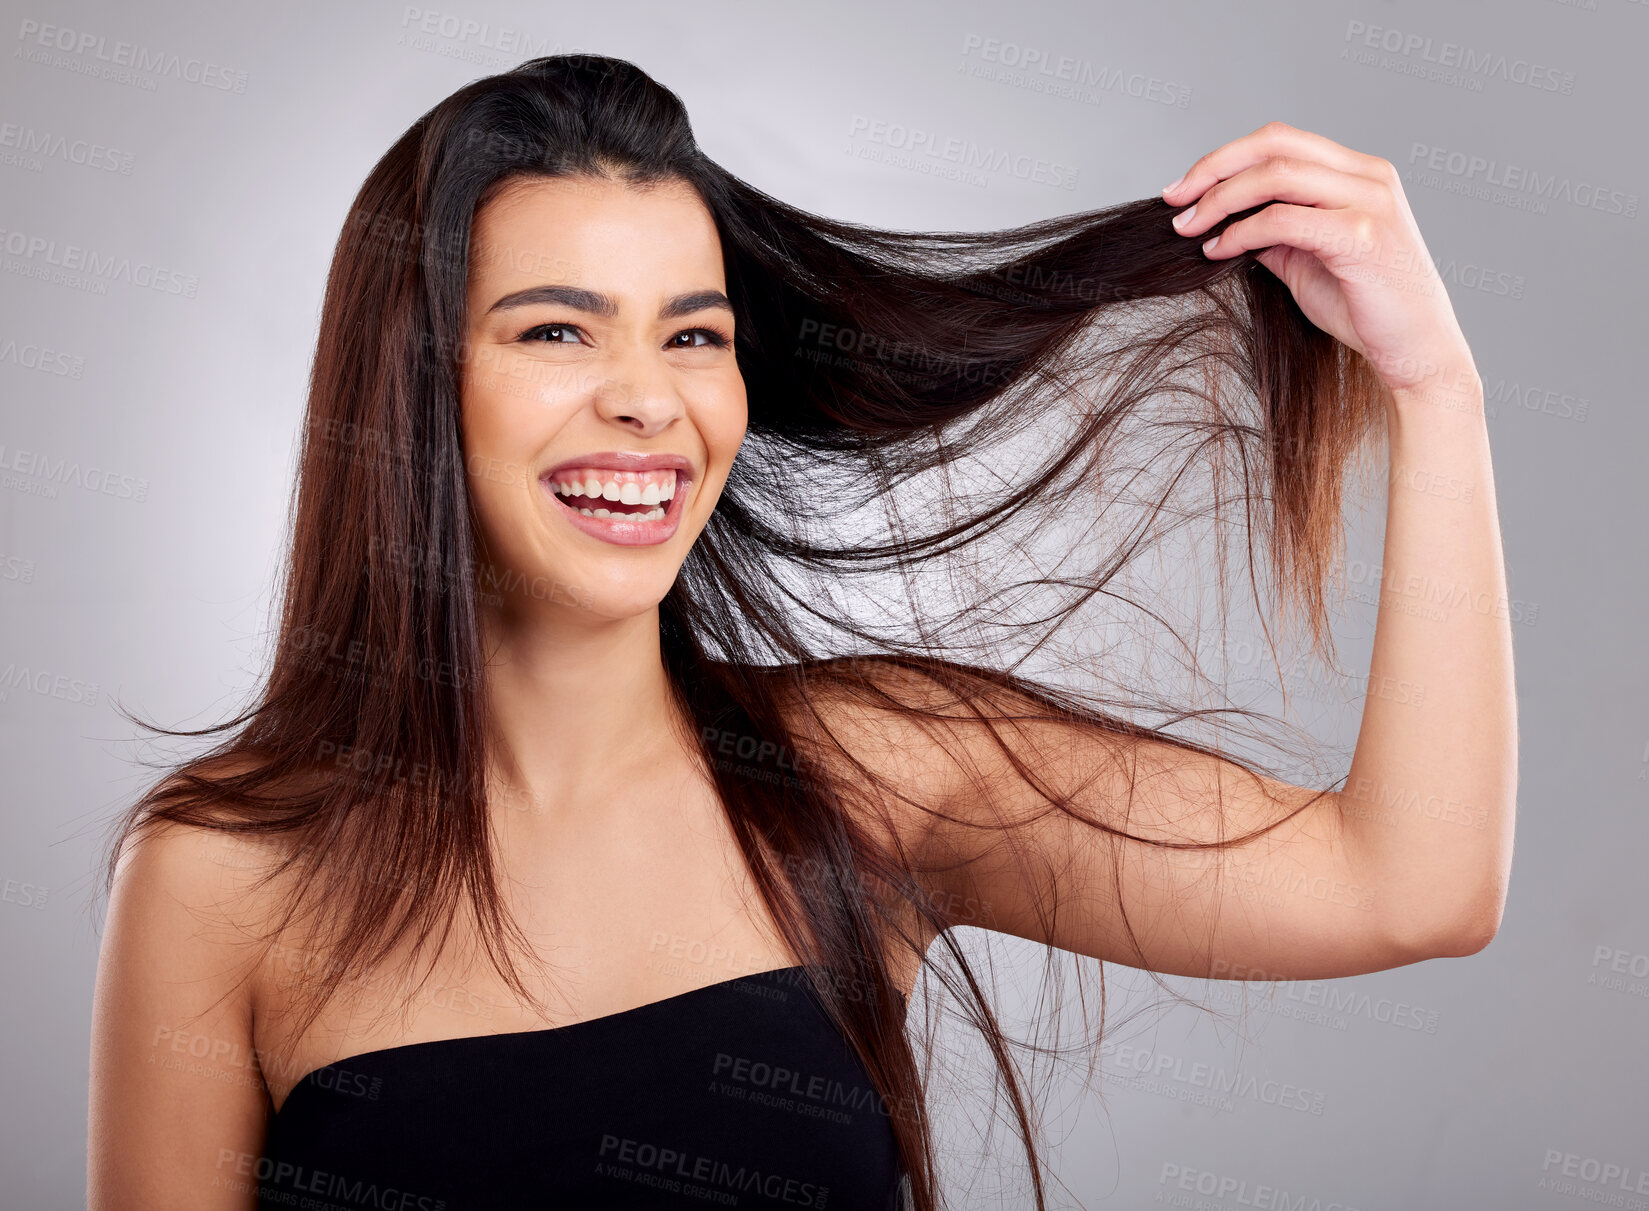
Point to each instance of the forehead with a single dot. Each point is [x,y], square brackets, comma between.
[650,240]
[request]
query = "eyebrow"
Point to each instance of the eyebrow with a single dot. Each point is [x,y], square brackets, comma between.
[596,303]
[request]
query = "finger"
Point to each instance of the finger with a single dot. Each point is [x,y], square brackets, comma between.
[1335,237]
[1281,179]
[1274,258]
[1274,138]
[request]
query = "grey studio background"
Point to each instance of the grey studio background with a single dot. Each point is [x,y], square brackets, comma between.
[223,165]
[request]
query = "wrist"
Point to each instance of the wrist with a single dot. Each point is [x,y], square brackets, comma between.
[1435,401]
[1452,391]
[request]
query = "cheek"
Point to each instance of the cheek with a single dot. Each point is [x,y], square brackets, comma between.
[502,430]
[723,425]
[510,407]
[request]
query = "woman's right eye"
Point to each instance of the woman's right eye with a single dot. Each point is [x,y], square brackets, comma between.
[550,334]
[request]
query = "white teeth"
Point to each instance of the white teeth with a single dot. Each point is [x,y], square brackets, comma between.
[652,515]
[655,493]
[614,490]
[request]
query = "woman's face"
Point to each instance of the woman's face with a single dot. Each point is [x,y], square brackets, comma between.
[601,401]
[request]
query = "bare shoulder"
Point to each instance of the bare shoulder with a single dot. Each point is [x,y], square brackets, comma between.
[189,903]
[170,866]
[892,736]
[175,1086]
[171,872]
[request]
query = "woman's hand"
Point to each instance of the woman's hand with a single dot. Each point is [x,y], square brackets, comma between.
[1341,236]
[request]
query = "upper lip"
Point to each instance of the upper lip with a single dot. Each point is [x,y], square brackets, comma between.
[620,460]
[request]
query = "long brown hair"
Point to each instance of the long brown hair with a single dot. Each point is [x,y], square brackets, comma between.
[916,400]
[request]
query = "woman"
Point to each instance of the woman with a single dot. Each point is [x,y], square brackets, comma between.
[590,833]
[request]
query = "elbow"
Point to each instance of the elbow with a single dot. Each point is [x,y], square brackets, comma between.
[1466,942]
[1478,931]
[1463,933]
[1468,933]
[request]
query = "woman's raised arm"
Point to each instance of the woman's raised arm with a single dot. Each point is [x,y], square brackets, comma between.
[1411,859]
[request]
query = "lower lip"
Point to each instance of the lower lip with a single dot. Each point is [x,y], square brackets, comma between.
[627,533]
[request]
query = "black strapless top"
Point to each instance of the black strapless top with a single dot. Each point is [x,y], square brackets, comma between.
[738,1094]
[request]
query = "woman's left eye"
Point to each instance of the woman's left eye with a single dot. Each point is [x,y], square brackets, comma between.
[712,338]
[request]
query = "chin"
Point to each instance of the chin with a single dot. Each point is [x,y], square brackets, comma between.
[617,609]
[599,593]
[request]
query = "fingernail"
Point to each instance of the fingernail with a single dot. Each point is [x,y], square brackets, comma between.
[1184,217]
[1168,189]
[1208,245]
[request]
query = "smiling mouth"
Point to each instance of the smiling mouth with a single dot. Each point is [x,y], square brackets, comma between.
[632,496]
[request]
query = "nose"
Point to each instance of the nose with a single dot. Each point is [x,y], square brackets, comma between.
[639,393]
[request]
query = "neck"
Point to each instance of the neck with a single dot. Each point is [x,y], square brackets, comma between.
[575,704]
